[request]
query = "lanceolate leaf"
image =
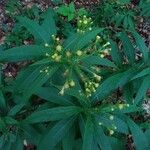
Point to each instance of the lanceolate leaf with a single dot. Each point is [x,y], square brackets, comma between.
[40,34]
[102,139]
[128,47]
[78,41]
[96,60]
[52,114]
[51,94]
[143,89]
[49,22]
[142,73]
[40,79]
[115,54]
[141,45]
[88,139]
[112,83]
[139,138]
[56,134]
[22,53]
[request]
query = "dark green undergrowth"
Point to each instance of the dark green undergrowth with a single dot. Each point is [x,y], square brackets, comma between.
[82,85]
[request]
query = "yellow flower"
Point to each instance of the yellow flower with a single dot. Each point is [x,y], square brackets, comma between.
[46,45]
[79,53]
[100,123]
[85,21]
[102,55]
[58,58]
[111,117]
[120,106]
[98,37]
[66,85]
[72,83]
[62,91]
[58,48]
[98,78]
[111,132]
[57,39]
[68,54]
[90,28]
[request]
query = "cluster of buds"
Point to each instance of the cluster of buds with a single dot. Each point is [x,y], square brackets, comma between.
[57,56]
[111,130]
[84,24]
[45,70]
[91,86]
[67,85]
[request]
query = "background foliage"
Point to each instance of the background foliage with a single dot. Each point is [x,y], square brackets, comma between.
[83,82]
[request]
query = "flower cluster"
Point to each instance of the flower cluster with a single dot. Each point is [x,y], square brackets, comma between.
[111,117]
[45,70]
[84,24]
[91,86]
[67,85]
[105,50]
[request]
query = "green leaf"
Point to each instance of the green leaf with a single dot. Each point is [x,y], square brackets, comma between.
[23,53]
[51,94]
[52,114]
[128,47]
[142,46]
[142,90]
[144,72]
[49,22]
[88,139]
[79,41]
[138,136]
[40,34]
[115,54]
[56,134]
[2,101]
[96,60]
[69,139]
[102,139]
[112,83]
[40,79]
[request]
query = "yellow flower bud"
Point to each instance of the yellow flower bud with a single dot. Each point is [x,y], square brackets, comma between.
[106,51]
[57,39]
[68,54]
[62,92]
[102,55]
[112,109]
[96,85]
[78,30]
[46,54]
[120,106]
[58,58]
[79,53]
[46,70]
[90,28]
[46,45]
[66,85]
[85,21]
[72,83]
[58,48]
[111,117]
[98,37]
[98,78]
[100,123]
[111,132]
